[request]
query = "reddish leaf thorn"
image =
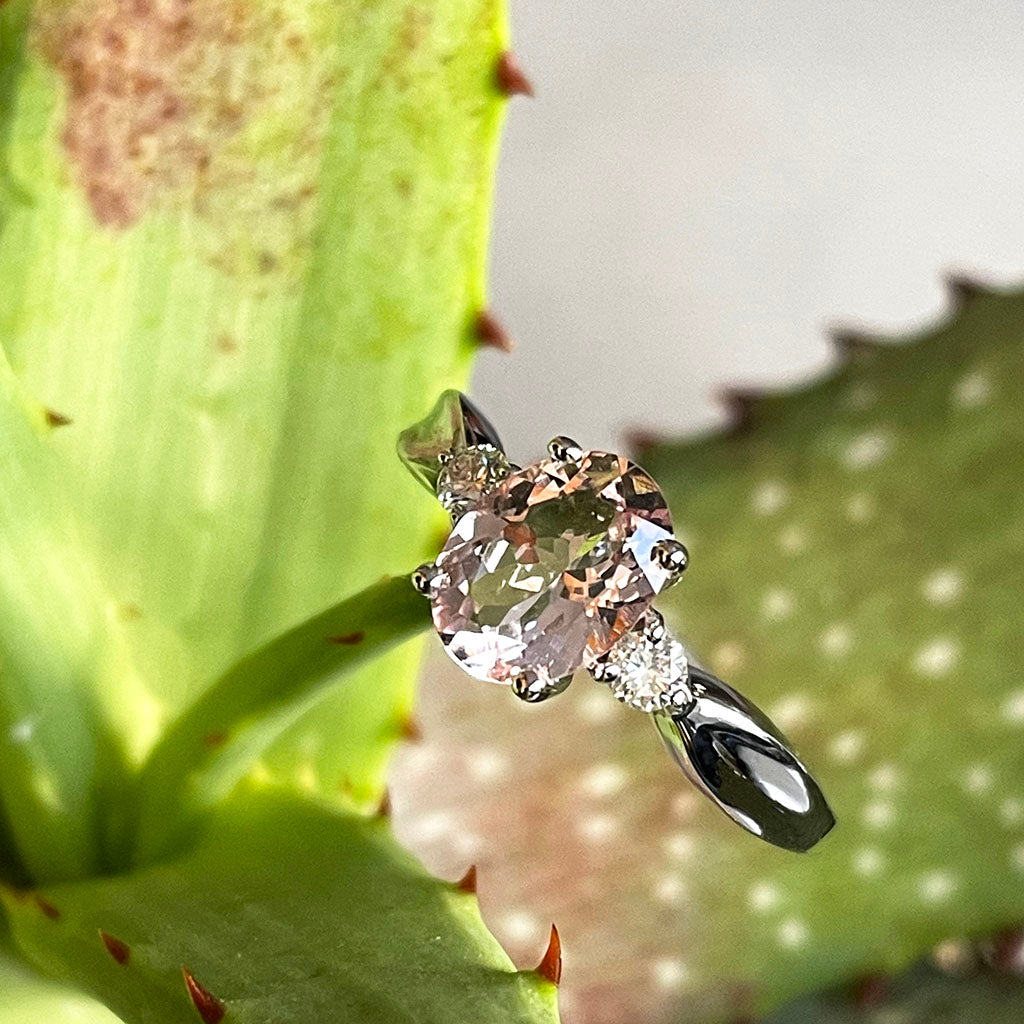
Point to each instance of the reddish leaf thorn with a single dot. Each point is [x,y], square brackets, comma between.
[850,342]
[211,1009]
[511,79]
[57,419]
[963,289]
[384,807]
[215,739]
[1006,951]
[640,441]
[491,332]
[740,405]
[47,907]
[870,991]
[550,966]
[410,730]
[467,883]
[347,639]
[115,947]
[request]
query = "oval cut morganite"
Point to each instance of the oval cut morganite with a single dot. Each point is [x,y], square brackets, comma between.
[551,569]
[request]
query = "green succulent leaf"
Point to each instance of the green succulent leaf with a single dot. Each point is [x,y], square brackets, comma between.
[285,911]
[206,752]
[922,995]
[858,558]
[31,998]
[241,247]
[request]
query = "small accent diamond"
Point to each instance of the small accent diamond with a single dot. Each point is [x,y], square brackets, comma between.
[648,670]
[468,474]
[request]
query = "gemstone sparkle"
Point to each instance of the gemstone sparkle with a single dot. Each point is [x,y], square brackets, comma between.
[551,568]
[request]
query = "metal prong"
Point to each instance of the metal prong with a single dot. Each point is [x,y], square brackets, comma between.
[422,578]
[653,625]
[565,449]
[671,555]
[533,689]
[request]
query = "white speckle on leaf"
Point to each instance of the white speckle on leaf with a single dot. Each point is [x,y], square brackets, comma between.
[792,710]
[867,450]
[679,846]
[596,707]
[879,814]
[847,746]
[603,779]
[598,828]
[429,828]
[519,926]
[777,604]
[978,779]
[763,896]
[792,540]
[728,657]
[1011,810]
[793,933]
[861,395]
[1017,857]
[860,508]
[769,497]
[670,889]
[686,804]
[836,640]
[937,657]
[669,973]
[1013,708]
[937,886]
[868,862]
[23,730]
[972,390]
[884,778]
[943,586]
[487,764]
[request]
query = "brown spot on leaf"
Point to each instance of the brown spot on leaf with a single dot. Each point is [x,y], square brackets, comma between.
[211,1009]
[56,419]
[115,947]
[550,966]
[46,907]
[467,883]
[409,729]
[511,79]
[870,991]
[160,97]
[347,639]
[490,331]
[226,344]
[215,739]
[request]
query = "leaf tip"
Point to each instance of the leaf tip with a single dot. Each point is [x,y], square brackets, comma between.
[409,729]
[384,807]
[467,883]
[550,966]
[210,1009]
[740,404]
[511,79]
[491,333]
[115,947]
[963,288]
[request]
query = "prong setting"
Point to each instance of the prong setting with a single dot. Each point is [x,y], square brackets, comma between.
[534,688]
[565,449]
[671,556]
[424,577]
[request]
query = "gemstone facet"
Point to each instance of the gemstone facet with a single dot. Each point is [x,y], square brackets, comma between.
[551,568]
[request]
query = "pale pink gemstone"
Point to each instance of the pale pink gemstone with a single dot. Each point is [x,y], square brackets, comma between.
[552,569]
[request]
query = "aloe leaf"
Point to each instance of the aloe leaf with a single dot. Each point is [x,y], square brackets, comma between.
[241,247]
[284,912]
[31,998]
[863,552]
[207,751]
[922,995]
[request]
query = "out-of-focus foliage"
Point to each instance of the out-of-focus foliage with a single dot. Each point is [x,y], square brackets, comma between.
[858,570]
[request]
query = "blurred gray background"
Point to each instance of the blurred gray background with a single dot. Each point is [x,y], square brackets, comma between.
[701,187]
